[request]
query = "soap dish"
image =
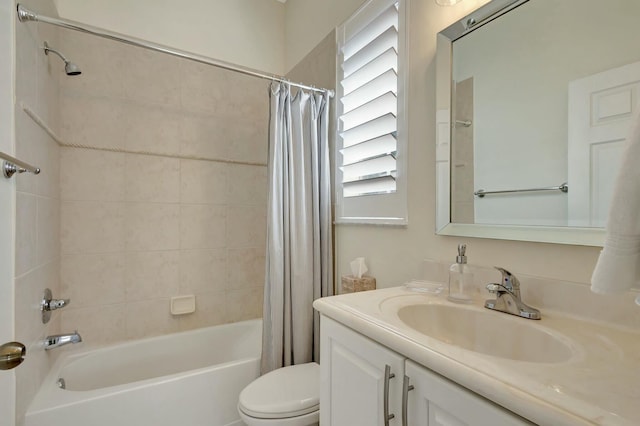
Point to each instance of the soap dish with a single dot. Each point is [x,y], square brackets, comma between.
[423,286]
[181,305]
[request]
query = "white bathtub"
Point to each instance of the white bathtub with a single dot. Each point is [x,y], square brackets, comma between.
[184,379]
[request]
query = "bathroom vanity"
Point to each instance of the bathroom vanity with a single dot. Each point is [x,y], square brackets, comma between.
[394,357]
[359,369]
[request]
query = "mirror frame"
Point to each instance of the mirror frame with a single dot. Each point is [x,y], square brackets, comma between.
[444,96]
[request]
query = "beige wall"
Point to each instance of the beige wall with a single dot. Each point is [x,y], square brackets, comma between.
[263,34]
[37,202]
[159,209]
[318,67]
[245,32]
[395,254]
[309,21]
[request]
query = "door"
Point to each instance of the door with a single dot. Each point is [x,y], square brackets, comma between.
[7,196]
[601,109]
[436,401]
[353,372]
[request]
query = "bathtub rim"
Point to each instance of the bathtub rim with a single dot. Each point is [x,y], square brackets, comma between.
[49,395]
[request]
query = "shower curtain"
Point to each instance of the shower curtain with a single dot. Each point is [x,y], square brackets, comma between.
[299,248]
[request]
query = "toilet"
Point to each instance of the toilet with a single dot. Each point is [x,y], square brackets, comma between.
[288,396]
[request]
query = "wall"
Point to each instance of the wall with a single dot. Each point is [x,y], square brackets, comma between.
[395,253]
[318,68]
[170,201]
[245,32]
[37,201]
[262,34]
[309,21]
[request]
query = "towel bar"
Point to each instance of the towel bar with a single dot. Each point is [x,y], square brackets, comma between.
[11,166]
[564,187]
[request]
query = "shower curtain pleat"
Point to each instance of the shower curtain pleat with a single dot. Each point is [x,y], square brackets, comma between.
[299,250]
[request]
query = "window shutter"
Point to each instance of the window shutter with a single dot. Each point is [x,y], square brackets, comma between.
[370,180]
[369,106]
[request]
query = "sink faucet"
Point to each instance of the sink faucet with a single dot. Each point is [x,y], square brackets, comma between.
[51,342]
[508,297]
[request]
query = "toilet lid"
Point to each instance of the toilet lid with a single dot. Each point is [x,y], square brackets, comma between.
[285,392]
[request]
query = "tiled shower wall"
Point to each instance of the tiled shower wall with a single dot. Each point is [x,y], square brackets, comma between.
[167,195]
[37,256]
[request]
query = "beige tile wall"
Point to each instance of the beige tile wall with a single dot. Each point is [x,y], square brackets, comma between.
[137,229]
[37,201]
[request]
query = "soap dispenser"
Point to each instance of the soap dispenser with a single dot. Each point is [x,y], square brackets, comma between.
[461,287]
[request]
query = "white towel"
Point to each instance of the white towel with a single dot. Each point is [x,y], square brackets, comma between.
[618,267]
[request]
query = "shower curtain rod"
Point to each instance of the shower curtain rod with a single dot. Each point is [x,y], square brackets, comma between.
[25,15]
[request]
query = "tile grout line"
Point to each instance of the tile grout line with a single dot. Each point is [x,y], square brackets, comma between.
[64,144]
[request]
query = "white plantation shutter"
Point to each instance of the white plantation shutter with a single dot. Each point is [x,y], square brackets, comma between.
[371,180]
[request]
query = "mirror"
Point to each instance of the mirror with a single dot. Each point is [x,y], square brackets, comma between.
[535,98]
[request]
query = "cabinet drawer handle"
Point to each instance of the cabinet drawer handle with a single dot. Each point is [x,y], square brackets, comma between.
[388,375]
[406,387]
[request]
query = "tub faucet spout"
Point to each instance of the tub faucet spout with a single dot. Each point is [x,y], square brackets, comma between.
[51,342]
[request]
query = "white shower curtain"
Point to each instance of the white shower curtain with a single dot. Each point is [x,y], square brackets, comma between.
[299,248]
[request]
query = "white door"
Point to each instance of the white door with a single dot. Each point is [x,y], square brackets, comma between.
[352,379]
[601,108]
[7,196]
[436,401]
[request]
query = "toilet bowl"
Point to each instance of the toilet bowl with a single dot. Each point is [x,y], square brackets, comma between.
[288,396]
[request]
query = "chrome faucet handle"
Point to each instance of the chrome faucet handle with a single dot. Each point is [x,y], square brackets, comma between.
[495,288]
[49,304]
[57,304]
[507,297]
[509,281]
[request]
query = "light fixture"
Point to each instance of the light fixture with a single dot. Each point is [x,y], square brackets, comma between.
[447,2]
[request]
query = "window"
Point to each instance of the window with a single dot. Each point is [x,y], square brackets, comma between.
[371,178]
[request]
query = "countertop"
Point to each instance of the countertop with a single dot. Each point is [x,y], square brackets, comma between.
[598,385]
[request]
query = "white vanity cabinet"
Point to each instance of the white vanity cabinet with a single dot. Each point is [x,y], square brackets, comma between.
[362,383]
[360,380]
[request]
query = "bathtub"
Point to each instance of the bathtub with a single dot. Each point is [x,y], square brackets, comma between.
[192,378]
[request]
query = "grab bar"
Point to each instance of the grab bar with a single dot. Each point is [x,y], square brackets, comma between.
[564,187]
[11,166]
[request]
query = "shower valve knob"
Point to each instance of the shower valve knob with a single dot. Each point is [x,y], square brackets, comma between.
[49,304]
[57,304]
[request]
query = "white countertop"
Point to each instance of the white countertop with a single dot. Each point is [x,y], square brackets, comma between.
[599,384]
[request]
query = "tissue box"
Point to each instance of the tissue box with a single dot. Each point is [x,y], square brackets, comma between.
[351,284]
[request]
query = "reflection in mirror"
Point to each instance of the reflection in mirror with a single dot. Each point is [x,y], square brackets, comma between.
[542,93]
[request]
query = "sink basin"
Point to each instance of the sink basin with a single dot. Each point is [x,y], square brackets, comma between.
[488,332]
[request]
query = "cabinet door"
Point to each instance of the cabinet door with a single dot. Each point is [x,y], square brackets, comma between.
[352,380]
[436,401]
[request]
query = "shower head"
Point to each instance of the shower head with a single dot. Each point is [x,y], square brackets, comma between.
[72,69]
[69,67]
